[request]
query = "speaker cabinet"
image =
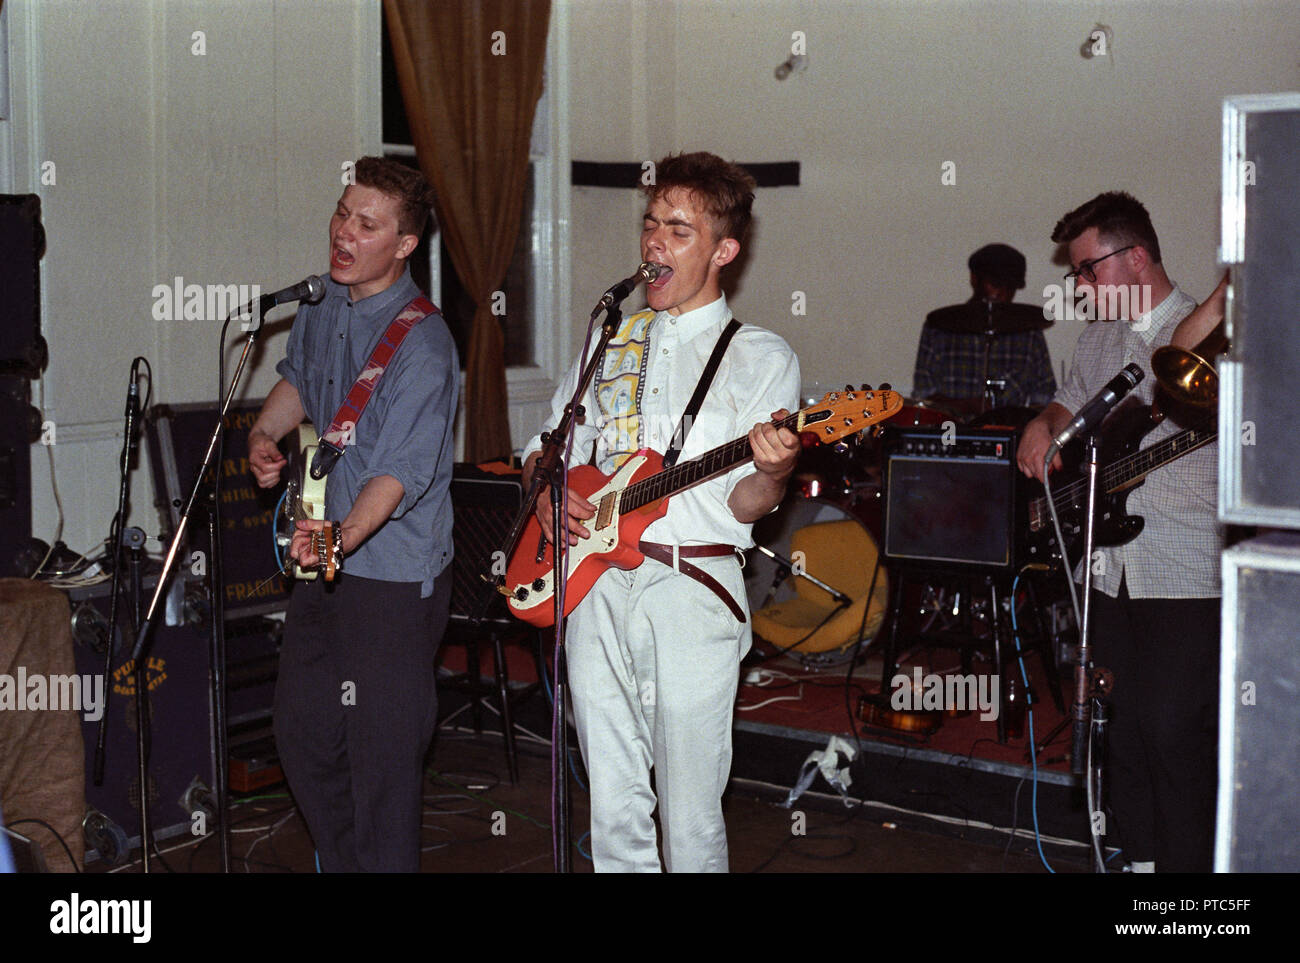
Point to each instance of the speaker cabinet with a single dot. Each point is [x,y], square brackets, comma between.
[178,438]
[180,757]
[22,243]
[17,421]
[950,498]
[1259,406]
[485,505]
[1259,755]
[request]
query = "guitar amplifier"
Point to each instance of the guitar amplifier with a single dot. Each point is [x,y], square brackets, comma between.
[950,498]
[178,437]
[485,505]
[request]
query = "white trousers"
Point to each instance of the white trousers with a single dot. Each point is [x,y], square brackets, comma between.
[654,661]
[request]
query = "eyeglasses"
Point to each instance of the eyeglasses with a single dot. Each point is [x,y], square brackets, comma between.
[1088,269]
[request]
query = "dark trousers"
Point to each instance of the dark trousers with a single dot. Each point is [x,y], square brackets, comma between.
[1162,745]
[355,708]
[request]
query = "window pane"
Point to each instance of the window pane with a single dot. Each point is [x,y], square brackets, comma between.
[396,128]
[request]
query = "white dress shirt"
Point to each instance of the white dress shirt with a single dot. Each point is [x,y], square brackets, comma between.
[758,374]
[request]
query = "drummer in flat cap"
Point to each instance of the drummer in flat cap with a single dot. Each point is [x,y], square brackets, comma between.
[988,352]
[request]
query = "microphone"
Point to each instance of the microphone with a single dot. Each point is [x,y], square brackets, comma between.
[1091,414]
[646,272]
[310,290]
[133,391]
[133,408]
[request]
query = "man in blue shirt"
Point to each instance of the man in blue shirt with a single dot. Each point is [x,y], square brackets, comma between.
[355,701]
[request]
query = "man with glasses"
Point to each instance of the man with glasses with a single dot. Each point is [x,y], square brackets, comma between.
[1155,603]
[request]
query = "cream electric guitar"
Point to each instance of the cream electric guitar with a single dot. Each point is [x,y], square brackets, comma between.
[304,498]
[637,494]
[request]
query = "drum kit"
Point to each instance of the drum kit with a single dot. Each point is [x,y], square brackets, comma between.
[830,486]
[836,485]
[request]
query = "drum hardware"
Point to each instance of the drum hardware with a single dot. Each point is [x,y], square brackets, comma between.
[786,567]
[989,319]
[978,316]
[768,565]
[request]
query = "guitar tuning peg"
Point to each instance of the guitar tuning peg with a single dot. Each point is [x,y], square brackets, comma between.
[886,386]
[866,387]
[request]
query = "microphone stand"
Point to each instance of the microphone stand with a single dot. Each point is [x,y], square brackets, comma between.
[216,652]
[1086,689]
[133,540]
[115,538]
[550,470]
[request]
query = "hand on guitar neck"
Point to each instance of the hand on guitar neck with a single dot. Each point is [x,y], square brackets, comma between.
[775,452]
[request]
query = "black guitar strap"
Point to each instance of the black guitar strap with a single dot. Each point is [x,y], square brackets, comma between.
[701,390]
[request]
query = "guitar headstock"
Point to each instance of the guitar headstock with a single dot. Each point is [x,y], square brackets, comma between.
[843,413]
[323,547]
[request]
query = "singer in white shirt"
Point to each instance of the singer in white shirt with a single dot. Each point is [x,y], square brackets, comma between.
[653,653]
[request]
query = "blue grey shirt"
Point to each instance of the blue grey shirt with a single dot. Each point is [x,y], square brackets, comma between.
[405,430]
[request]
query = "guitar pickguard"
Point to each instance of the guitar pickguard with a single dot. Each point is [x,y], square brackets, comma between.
[611,544]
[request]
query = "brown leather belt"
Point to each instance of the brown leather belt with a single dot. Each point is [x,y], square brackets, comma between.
[664,553]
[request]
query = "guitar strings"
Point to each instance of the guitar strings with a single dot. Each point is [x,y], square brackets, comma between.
[1156,452]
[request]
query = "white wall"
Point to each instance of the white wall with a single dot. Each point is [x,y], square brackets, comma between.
[220,168]
[891,91]
[223,168]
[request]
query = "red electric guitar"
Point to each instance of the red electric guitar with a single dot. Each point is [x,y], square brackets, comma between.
[637,494]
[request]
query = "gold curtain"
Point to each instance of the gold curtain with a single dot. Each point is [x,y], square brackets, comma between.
[471,74]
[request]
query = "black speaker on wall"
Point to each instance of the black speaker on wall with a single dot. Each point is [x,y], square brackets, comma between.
[19,428]
[22,244]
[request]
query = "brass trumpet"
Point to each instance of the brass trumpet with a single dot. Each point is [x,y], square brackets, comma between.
[1189,375]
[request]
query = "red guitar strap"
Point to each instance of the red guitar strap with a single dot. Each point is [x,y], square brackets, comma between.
[339,434]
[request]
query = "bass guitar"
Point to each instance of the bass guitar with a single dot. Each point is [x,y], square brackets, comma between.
[637,494]
[1123,467]
[304,498]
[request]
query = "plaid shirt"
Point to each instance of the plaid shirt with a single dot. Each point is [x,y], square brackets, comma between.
[1177,554]
[952,364]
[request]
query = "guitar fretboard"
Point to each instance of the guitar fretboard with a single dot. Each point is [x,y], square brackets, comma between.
[1124,471]
[683,476]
